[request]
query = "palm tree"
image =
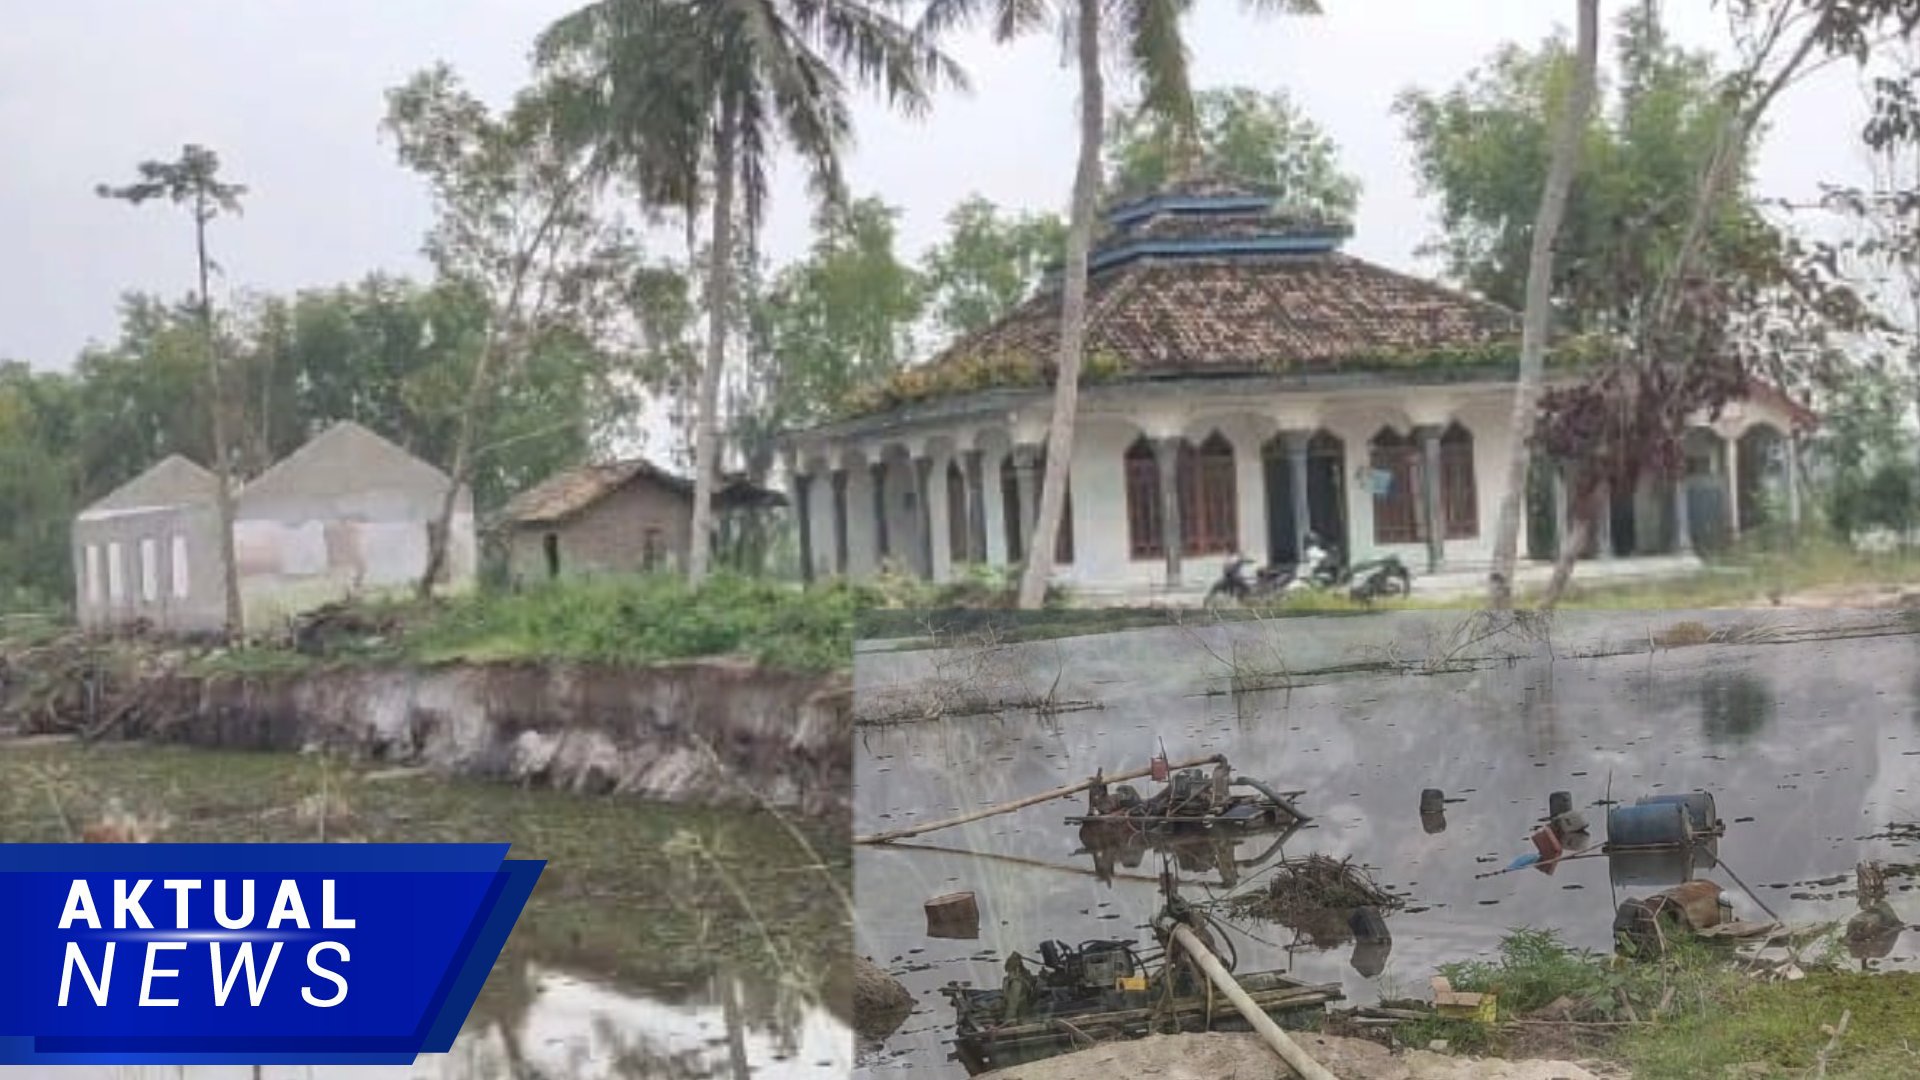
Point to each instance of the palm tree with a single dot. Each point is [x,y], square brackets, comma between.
[193,181]
[1157,56]
[1533,335]
[687,99]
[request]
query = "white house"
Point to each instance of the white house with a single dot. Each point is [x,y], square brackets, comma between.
[347,514]
[1247,382]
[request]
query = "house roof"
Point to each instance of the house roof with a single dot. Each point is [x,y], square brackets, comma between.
[567,493]
[1209,278]
[174,481]
[346,459]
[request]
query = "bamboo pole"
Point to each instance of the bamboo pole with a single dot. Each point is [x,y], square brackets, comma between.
[1263,1024]
[1031,800]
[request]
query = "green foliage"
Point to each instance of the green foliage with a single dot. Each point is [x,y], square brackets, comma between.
[1482,149]
[36,488]
[988,263]
[955,375]
[637,620]
[837,319]
[1254,137]
[1873,479]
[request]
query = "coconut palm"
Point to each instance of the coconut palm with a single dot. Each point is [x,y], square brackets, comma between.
[688,100]
[1156,55]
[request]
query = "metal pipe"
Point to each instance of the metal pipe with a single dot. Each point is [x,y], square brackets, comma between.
[1262,1024]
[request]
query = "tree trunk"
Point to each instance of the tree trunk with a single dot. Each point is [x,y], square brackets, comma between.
[222,464]
[441,532]
[1536,324]
[706,443]
[1579,532]
[1073,312]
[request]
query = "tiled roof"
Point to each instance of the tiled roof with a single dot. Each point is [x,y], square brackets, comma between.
[1205,278]
[567,493]
[1269,312]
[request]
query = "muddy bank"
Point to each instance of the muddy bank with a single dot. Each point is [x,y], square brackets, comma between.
[1245,1057]
[708,732]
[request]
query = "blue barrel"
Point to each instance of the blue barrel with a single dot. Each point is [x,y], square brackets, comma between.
[1699,804]
[1648,825]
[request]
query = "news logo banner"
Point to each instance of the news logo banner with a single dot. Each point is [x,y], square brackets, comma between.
[336,954]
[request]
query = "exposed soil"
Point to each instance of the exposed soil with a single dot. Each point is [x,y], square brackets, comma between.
[880,1003]
[1847,597]
[1216,1055]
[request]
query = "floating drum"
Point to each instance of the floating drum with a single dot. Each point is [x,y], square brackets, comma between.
[1559,803]
[1648,825]
[954,915]
[1433,801]
[1700,809]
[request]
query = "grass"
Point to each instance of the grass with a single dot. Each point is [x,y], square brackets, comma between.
[1716,1017]
[638,620]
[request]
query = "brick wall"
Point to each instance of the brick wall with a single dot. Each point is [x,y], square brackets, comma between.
[609,536]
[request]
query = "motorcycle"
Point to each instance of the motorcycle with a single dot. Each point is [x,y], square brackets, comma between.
[1375,579]
[1240,582]
[1325,569]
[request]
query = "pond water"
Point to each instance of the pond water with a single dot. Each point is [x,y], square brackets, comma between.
[634,958]
[1811,749]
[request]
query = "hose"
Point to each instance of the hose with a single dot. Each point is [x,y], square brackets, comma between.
[1247,781]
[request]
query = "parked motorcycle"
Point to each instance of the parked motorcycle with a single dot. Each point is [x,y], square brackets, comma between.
[1325,569]
[1241,582]
[1384,578]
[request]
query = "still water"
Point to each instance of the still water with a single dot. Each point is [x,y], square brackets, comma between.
[1811,747]
[634,958]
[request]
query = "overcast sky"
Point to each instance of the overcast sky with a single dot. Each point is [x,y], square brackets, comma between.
[290,94]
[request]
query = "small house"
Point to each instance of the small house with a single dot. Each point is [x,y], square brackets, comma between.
[348,514]
[628,516]
[148,552]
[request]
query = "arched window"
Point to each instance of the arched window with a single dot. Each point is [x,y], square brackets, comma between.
[1395,461]
[1144,539]
[1209,501]
[1460,502]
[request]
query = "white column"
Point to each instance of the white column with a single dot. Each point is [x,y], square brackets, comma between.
[1250,492]
[1733,487]
[995,509]
[941,524]
[1793,480]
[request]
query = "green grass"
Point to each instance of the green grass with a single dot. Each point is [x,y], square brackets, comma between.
[1716,1016]
[638,620]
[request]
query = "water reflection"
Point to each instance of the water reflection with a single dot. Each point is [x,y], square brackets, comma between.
[1806,746]
[1735,706]
[1221,857]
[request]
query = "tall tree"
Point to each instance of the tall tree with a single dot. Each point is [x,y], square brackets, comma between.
[1251,136]
[37,486]
[516,229]
[193,180]
[1157,57]
[688,98]
[1729,287]
[1536,321]
[989,262]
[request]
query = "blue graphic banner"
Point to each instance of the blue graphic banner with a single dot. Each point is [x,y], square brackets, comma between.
[340,954]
